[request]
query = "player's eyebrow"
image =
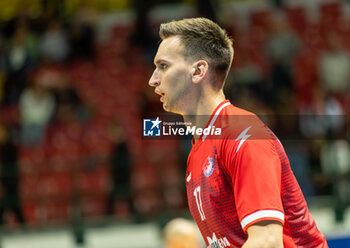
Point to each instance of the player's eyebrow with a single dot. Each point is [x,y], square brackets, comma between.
[158,61]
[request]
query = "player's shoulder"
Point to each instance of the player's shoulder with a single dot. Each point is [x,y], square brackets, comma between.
[235,121]
[234,110]
[243,130]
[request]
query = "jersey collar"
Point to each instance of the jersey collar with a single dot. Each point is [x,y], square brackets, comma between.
[212,120]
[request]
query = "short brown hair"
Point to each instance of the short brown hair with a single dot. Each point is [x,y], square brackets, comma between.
[203,39]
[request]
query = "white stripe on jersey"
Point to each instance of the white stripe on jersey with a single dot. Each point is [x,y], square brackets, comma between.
[215,117]
[262,214]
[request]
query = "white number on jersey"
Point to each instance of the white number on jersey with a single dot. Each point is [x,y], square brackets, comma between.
[197,195]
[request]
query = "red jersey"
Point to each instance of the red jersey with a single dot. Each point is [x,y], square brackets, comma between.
[242,178]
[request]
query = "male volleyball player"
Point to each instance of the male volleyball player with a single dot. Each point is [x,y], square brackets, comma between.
[240,187]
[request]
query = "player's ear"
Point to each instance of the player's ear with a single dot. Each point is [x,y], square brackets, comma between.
[199,70]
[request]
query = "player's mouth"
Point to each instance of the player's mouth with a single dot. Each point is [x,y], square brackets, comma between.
[161,95]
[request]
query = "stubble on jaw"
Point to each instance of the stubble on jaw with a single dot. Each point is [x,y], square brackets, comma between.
[181,93]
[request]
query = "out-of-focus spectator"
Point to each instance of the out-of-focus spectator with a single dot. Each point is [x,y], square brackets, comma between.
[277,3]
[206,8]
[143,34]
[322,116]
[50,10]
[281,47]
[247,75]
[120,196]
[64,91]
[81,37]
[181,233]
[18,54]
[82,33]
[9,176]
[282,43]
[298,157]
[68,105]
[334,66]
[335,162]
[36,108]
[18,59]
[22,23]
[54,44]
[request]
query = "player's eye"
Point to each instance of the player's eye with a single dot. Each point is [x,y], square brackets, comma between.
[163,66]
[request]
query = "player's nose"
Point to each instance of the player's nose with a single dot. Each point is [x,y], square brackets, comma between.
[154,81]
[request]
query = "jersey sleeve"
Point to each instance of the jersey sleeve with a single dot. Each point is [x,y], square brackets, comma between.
[255,169]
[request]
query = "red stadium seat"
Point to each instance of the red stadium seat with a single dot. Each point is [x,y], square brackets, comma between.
[94,182]
[31,160]
[260,18]
[30,212]
[53,185]
[57,210]
[29,187]
[93,206]
[305,74]
[331,9]
[297,18]
[330,13]
[122,31]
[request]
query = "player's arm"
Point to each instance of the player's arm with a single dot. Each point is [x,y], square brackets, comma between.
[265,234]
[255,168]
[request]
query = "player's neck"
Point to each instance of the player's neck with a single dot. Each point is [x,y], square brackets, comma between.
[202,110]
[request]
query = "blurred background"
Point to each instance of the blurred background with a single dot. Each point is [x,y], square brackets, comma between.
[75,170]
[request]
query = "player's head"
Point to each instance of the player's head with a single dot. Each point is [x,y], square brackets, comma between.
[202,39]
[181,233]
[192,51]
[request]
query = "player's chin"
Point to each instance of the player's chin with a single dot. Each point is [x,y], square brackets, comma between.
[166,107]
[170,109]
